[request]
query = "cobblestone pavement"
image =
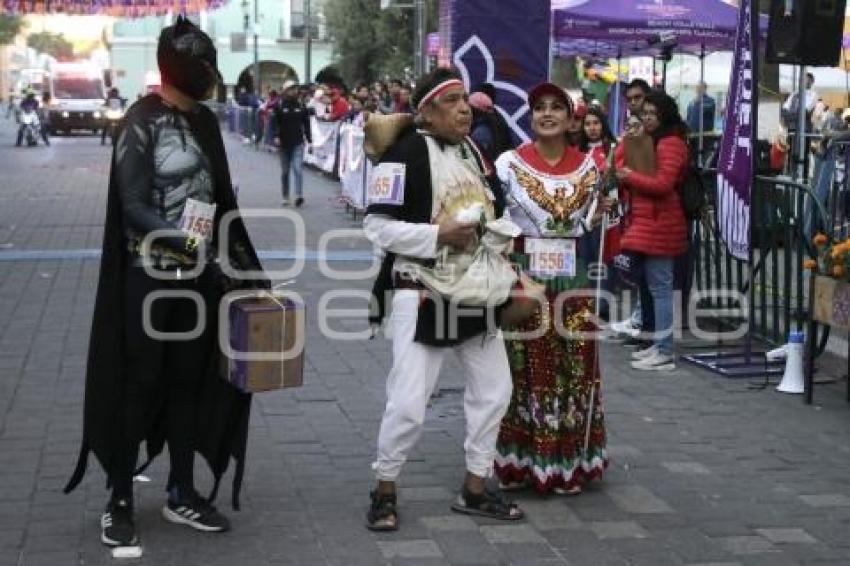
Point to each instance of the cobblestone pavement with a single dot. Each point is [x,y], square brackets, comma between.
[704,470]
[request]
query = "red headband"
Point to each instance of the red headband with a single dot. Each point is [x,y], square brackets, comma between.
[437,91]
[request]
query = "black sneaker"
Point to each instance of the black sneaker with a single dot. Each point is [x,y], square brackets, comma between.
[196,512]
[299,201]
[116,524]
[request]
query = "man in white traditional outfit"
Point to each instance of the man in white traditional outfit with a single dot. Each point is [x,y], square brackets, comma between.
[429,197]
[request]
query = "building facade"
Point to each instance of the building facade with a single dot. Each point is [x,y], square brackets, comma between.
[280,44]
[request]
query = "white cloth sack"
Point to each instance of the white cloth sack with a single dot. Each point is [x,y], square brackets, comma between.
[480,275]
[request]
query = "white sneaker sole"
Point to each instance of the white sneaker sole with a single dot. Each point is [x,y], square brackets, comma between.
[641,355]
[119,552]
[670,366]
[114,543]
[173,517]
[626,331]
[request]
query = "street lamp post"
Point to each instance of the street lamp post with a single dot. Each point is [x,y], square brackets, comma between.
[307,44]
[419,38]
[251,28]
[257,82]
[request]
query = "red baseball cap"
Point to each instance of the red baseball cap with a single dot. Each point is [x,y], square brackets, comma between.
[544,89]
[580,111]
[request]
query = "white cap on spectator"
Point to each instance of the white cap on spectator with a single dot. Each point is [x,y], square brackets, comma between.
[289,84]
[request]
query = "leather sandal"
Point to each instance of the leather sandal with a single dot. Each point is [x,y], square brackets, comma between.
[382,515]
[489,503]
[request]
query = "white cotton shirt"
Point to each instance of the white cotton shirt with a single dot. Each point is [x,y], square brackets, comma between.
[402,238]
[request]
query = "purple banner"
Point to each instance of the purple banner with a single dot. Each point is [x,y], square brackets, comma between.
[433,44]
[502,42]
[734,168]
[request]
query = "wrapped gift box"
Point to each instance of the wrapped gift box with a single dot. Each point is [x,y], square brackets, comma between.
[267,339]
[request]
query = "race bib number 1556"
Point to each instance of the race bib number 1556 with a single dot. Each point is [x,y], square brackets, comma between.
[551,257]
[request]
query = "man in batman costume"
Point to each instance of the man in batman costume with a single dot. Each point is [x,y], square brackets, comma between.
[169,172]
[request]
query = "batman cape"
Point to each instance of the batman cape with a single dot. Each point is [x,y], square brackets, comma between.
[221,429]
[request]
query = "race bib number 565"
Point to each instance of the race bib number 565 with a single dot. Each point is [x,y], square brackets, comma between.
[551,257]
[387,184]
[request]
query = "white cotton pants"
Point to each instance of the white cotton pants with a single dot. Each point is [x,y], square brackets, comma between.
[413,378]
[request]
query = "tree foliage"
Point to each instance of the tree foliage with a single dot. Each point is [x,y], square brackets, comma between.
[370,43]
[53,44]
[10,26]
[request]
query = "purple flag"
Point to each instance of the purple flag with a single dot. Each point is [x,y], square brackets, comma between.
[502,42]
[734,169]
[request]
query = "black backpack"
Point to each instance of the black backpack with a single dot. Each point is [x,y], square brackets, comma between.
[692,193]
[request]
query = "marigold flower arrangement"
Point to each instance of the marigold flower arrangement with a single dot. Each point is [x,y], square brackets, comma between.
[833,257]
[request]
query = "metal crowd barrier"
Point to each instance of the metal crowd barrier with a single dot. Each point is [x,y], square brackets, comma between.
[831,186]
[248,123]
[773,280]
[242,120]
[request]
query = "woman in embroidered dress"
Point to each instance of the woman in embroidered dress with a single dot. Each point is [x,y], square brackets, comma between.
[549,187]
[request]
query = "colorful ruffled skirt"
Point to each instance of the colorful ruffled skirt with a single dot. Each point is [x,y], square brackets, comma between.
[542,437]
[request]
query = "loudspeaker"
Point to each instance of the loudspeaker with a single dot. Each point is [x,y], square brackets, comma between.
[792,379]
[805,32]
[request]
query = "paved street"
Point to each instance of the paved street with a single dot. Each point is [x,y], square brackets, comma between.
[704,470]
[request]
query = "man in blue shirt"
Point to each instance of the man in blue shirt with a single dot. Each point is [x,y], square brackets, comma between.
[708,111]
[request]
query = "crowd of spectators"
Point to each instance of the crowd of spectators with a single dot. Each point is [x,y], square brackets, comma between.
[335,102]
[331,102]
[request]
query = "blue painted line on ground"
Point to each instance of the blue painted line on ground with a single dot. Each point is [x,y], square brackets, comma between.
[268,255]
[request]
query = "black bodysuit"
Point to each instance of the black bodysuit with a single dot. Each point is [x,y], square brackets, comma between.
[159,166]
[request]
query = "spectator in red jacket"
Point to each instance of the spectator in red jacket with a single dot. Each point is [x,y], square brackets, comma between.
[656,230]
[596,140]
[338,107]
[596,137]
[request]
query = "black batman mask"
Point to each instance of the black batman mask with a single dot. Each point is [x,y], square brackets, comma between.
[187,59]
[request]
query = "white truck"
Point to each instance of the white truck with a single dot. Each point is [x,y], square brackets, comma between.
[78,93]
